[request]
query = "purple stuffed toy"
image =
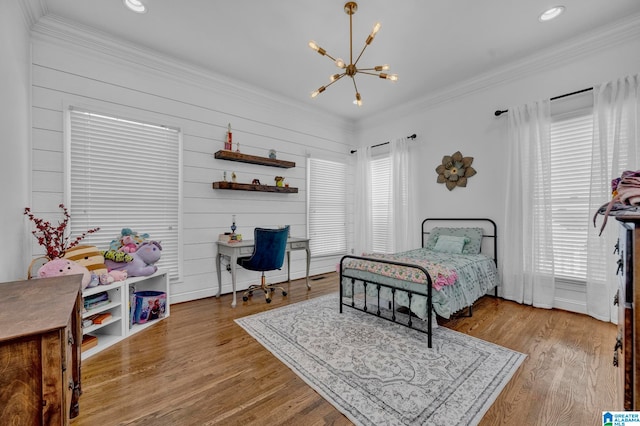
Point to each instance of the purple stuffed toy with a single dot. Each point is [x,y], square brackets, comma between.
[144,258]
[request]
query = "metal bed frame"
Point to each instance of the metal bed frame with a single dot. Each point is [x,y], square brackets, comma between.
[410,293]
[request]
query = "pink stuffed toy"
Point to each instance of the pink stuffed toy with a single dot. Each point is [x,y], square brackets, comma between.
[128,244]
[58,267]
[118,275]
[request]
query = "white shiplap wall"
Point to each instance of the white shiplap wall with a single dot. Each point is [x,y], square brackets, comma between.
[74,67]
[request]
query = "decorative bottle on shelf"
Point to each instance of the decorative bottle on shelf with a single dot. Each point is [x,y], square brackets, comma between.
[228,145]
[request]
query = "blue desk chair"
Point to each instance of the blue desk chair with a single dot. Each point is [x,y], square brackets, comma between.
[268,255]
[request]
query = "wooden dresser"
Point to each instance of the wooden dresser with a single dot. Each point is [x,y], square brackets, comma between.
[627,346]
[40,343]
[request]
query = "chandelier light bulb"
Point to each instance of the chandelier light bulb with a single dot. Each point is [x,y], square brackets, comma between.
[317,92]
[358,100]
[375,30]
[392,77]
[334,77]
[314,46]
[382,67]
[340,63]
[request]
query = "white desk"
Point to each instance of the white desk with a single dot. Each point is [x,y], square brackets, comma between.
[233,251]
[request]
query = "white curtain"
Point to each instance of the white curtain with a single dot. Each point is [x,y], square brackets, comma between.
[401,197]
[362,208]
[528,268]
[615,149]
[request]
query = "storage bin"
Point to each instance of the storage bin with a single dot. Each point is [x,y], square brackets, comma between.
[150,305]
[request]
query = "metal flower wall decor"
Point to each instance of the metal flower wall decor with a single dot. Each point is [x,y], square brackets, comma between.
[455,170]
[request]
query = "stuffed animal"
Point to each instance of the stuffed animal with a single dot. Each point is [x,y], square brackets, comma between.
[91,258]
[128,241]
[137,238]
[143,263]
[118,275]
[128,244]
[117,256]
[58,267]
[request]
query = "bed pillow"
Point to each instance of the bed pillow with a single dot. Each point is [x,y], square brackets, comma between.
[450,244]
[474,235]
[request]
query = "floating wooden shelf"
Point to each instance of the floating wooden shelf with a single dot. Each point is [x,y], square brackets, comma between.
[253,159]
[251,187]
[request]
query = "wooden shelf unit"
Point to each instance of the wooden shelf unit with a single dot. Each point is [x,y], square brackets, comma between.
[252,187]
[253,159]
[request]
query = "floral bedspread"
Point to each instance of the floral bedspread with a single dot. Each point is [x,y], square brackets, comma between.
[475,274]
[440,275]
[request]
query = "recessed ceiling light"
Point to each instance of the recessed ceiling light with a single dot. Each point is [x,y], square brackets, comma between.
[136,6]
[550,14]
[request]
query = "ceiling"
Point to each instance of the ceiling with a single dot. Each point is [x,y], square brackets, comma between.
[430,44]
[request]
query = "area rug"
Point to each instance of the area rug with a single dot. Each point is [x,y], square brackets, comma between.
[379,373]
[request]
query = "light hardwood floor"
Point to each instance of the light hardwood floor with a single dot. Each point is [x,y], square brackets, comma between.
[198,367]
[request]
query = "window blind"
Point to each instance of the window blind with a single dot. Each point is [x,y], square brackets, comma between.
[571,143]
[327,207]
[380,196]
[125,174]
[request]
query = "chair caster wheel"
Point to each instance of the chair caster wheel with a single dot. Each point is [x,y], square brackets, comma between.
[245,298]
[284,293]
[268,300]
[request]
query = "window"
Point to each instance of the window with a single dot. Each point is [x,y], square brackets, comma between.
[571,136]
[327,207]
[125,174]
[380,196]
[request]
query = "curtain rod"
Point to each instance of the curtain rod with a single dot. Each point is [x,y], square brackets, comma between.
[498,113]
[413,136]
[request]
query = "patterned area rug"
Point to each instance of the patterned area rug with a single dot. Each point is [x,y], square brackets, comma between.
[379,373]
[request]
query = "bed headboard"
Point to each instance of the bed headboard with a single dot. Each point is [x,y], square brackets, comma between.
[489,244]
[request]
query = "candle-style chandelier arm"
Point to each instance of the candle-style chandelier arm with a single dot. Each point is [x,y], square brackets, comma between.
[392,77]
[321,89]
[368,73]
[367,42]
[358,100]
[338,62]
[355,86]
[376,68]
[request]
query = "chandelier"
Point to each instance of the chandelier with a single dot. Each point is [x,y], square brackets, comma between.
[351,69]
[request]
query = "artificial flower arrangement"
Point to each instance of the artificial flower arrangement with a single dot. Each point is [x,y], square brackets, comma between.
[53,238]
[455,170]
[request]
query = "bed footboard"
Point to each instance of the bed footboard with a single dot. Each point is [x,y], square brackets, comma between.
[364,305]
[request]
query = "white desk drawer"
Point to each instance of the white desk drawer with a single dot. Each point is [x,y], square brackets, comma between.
[298,245]
[246,250]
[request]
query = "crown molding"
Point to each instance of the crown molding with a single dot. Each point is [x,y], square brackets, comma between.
[57,30]
[578,47]
[32,11]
